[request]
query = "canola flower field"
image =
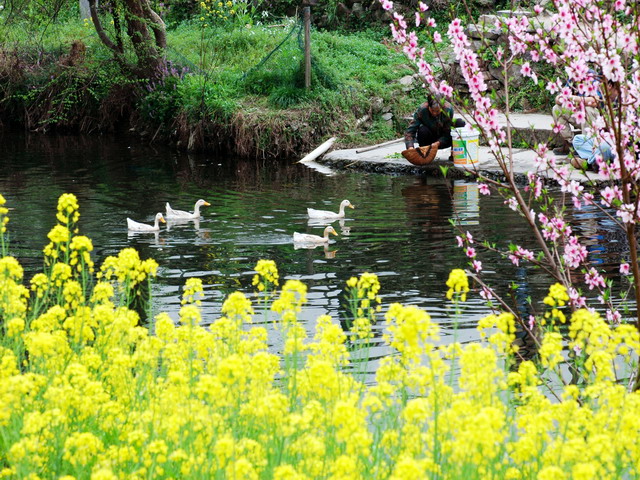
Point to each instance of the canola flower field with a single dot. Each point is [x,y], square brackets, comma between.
[87,393]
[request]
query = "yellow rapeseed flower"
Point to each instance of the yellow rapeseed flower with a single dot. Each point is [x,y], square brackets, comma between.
[458,284]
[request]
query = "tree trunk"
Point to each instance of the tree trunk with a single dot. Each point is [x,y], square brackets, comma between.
[147,32]
[141,20]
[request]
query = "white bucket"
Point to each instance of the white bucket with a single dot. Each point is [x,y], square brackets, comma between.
[465,146]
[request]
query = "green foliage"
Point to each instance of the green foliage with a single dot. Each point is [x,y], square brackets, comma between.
[160,105]
[286,97]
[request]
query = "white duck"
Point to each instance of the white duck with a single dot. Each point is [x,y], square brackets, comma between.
[143,227]
[327,214]
[181,214]
[308,238]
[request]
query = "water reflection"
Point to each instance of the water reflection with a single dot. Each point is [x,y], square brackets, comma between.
[173,223]
[321,222]
[466,204]
[401,229]
[307,246]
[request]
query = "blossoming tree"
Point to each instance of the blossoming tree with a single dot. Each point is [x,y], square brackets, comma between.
[579,35]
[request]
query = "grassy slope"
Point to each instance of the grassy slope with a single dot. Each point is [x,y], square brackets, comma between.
[218,85]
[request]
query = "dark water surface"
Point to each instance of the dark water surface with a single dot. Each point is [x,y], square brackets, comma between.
[399,230]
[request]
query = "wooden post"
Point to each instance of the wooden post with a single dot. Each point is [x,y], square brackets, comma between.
[307,47]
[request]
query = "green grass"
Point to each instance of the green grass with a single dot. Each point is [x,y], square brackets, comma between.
[220,70]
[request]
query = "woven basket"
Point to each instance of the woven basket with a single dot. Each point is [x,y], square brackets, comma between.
[421,155]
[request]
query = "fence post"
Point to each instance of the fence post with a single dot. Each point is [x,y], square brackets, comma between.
[307,47]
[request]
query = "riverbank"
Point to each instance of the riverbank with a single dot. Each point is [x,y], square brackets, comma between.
[526,128]
[236,90]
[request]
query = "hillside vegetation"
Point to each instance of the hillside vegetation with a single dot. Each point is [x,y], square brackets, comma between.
[229,87]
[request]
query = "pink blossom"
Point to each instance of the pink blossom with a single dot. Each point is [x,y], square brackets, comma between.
[594,279]
[527,71]
[610,194]
[484,189]
[532,322]
[477,265]
[514,259]
[387,4]
[469,237]
[575,299]
[624,268]
[486,293]
[471,252]
[418,19]
[422,7]
[460,241]
[574,253]
[445,89]
[614,317]
[627,213]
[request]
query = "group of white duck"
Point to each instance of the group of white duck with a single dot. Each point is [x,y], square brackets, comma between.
[170,214]
[298,238]
[309,239]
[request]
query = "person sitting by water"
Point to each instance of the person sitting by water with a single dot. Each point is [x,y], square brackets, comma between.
[431,124]
[589,149]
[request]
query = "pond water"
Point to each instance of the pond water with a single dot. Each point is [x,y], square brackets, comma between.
[400,228]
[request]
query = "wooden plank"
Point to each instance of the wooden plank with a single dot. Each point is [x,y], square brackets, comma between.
[384,144]
[318,151]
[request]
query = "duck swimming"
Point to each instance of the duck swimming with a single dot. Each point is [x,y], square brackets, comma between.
[313,213]
[316,239]
[181,214]
[143,227]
